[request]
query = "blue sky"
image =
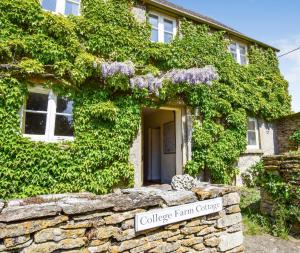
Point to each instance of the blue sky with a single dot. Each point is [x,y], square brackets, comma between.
[275,22]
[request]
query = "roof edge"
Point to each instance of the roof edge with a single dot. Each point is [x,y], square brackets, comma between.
[212,24]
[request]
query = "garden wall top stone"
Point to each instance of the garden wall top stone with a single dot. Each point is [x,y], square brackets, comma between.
[126,200]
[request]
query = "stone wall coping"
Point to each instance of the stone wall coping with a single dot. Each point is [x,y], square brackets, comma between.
[281,156]
[124,200]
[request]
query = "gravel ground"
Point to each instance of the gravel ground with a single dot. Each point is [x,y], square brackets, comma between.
[270,244]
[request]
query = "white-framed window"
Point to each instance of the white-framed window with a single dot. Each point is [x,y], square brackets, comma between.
[47,117]
[163,28]
[252,134]
[239,52]
[65,7]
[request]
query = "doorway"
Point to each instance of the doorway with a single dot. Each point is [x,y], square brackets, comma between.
[162,154]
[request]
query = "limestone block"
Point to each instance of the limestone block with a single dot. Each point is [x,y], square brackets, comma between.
[166,247]
[212,242]
[82,224]
[57,234]
[14,241]
[194,223]
[28,227]
[120,217]
[199,247]
[19,246]
[146,247]
[171,198]
[206,230]
[98,249]
[54,246]
[183,249]
[239,249]
[192,241]
[175,238]
[97,242]
[127,224]
[230,241]
[233,209]
[130,244]
[125,235]
[191,230]
[79,206]
[134,199]
[229,220]
[107,232]
[91,216]
[231,199]
[17,213]
[235,228]
[162,235]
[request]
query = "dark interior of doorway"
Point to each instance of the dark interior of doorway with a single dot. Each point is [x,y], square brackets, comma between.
[159,164]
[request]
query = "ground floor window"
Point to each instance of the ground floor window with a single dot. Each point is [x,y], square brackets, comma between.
[47,117]
[252,134]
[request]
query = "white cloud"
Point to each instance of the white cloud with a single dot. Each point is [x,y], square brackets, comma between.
[290,67]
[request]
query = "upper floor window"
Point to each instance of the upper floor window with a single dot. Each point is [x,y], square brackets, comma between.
[252,134]
[239,52]
[65,7]
[47,117]
[163,29]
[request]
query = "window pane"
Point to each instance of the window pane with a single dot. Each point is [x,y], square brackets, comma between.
[72,8]
[63,125]
[37,102]
[154,35]
[243,60]
[35,123]
[64,105]
[251,125]
[168,26]
[233,47]
[49,5]
[243,50]
[168,37]
[153,20]
[252,138]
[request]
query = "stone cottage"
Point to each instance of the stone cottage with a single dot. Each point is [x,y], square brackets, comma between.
[163,144]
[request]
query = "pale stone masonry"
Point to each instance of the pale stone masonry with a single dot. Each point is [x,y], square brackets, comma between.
[88,223]
[287,167]
[285,128]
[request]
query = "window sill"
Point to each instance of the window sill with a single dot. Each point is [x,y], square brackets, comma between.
[254,151]
[43,139]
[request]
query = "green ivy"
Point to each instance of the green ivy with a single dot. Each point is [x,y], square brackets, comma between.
[286,196]
[295,137]
[107,113]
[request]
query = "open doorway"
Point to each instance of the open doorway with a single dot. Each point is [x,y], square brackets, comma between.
[160,145]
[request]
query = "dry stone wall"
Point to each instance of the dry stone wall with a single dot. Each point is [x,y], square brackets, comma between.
[285,128]
[286,166]
[85,222]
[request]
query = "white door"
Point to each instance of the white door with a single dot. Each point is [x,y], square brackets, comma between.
[154,163]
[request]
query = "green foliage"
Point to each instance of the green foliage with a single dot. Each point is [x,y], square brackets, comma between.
[296,137]
[107,113]
[286,198]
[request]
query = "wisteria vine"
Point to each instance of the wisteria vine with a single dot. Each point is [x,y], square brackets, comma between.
[192,76]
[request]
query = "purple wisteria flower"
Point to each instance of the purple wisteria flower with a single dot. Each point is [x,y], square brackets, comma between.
[193,76]
[149,82]
[110,69]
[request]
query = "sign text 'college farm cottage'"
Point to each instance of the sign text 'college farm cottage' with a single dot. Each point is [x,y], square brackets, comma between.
[169,215]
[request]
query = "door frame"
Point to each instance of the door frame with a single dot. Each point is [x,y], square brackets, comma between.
[182,144]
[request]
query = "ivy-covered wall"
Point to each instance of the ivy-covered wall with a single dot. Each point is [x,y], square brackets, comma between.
[64,53]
